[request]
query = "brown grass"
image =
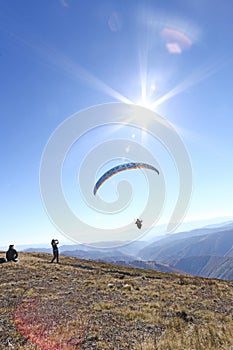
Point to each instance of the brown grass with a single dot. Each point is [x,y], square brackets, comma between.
[88,305]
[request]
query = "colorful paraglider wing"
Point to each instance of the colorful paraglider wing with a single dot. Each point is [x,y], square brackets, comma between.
[119,168]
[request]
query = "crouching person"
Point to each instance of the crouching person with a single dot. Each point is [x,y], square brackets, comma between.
[12,254]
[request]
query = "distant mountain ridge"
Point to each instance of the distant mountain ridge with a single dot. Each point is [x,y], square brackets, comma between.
[151,265]
[171,250]
[206,252]
[208,266]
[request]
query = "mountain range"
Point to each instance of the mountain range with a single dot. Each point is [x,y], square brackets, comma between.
[205,252]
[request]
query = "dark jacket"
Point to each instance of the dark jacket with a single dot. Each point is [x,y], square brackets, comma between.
[54,244]
[11,254]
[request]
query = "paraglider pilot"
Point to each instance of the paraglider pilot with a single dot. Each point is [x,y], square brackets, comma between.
[139,223]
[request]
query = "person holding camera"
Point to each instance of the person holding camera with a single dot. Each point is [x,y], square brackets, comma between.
[54,244]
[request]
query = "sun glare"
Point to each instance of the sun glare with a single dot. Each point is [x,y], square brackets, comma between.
[147,95]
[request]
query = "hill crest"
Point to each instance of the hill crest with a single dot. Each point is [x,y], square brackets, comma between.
[89,305]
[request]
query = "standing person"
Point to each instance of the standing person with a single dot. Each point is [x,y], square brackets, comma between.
[12,254]
[54,244]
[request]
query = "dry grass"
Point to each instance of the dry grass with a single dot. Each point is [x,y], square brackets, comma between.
[88,305]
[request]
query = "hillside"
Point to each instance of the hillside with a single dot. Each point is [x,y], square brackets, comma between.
[208,266]
[150,265]
[205,252]
[87,305]
[183,252]
[172,249]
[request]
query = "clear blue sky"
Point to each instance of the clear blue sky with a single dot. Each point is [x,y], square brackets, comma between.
[61,56]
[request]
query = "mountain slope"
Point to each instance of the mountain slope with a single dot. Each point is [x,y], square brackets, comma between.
[89,305]
[208,266]
[185,251]
[151,265]
[172,250]
[206,255]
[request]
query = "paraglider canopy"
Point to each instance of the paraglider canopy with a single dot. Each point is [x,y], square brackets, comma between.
[119,168]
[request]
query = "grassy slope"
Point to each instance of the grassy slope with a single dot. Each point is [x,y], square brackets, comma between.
[88,305]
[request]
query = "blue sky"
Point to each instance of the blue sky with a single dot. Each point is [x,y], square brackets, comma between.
[60,57]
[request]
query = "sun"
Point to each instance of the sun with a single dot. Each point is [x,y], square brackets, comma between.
[147,96]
